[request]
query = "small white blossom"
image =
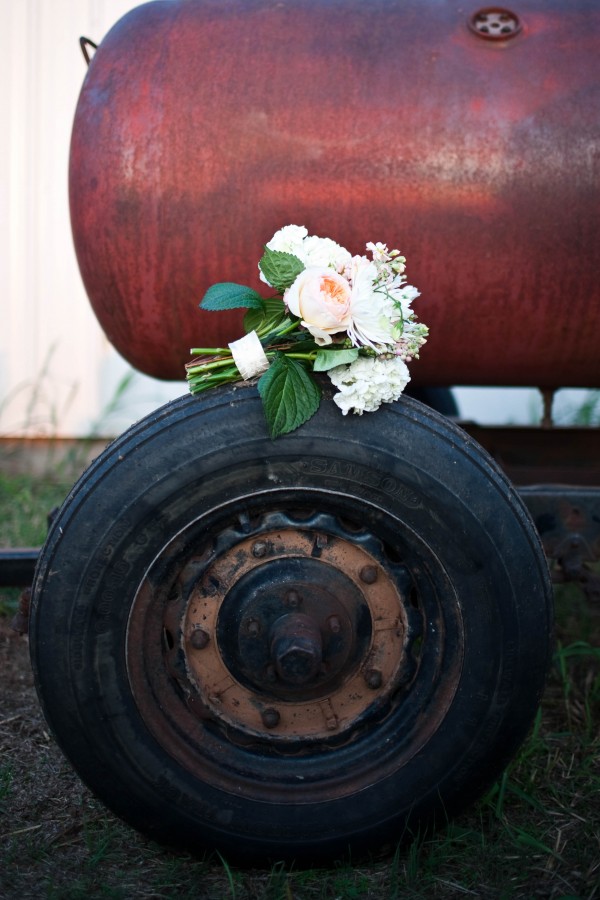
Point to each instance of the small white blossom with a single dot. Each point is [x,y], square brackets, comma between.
[413,338]
[368,382]
[288,239]
[404,296]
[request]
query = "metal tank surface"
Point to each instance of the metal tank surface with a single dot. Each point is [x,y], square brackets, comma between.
[467,137]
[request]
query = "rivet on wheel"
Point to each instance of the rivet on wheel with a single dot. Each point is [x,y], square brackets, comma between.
[199,638]
[334,624]
[293,599]
[368,574]
[270,673]
[253,627]
[270,717]
[259,549]
[373,679]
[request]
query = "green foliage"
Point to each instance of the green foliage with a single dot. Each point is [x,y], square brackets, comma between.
[25,504]
[289,394]
[267,319]
[228,295]
[588,413]
[330,358]
[280,269]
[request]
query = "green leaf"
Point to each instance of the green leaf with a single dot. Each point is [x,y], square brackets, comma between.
[280,269]
[266,320]
[228,295]
[329,359]
[289,394]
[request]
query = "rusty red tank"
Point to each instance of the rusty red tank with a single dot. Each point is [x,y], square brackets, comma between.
[467,137]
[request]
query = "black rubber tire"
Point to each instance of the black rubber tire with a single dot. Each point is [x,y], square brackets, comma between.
[423,490]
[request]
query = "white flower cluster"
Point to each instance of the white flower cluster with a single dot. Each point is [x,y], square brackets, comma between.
[368,382]
[364,302]
[368,300]
[312,251]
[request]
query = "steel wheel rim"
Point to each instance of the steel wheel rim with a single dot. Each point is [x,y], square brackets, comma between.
[404,709]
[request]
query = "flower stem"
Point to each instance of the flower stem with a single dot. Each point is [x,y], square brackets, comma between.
[207,367]
[209,351]
[310,357]
[279,331]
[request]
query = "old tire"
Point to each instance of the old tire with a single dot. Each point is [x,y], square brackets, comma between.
[287,649]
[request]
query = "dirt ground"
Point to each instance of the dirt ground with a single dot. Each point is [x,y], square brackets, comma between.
[36,804]
[58,842]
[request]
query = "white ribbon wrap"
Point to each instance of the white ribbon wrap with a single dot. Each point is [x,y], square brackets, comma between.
[249,356]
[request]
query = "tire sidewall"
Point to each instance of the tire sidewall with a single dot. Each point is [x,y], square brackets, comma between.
[193,460]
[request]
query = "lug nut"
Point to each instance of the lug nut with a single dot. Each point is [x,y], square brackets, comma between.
[270,673]
[368,574]
[253,627]
[334,624]
[270,717]
[199,638]
[293,599]
[259,549]
[296,648]
[373,679]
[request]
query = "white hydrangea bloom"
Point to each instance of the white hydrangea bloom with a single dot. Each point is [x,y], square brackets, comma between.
[312,251]
[316,251]
[368,382]
[288,239]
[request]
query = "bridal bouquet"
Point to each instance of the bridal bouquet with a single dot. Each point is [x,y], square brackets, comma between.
[349,316]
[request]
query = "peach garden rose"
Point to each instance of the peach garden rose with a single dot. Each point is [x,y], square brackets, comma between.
[321,298]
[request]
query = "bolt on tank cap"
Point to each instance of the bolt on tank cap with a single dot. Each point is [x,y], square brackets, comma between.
[494,23]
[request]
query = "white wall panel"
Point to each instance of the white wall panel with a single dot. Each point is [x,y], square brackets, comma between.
[57,371]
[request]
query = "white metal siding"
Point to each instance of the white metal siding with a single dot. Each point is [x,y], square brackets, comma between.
[57,371]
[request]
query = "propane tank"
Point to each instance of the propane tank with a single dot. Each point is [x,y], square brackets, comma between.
[464,136]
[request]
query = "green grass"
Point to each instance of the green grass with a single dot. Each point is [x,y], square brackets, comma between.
[535,834]
[25,505]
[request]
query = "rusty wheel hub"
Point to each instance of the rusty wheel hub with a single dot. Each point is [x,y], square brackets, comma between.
[297,633]
[292,629]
